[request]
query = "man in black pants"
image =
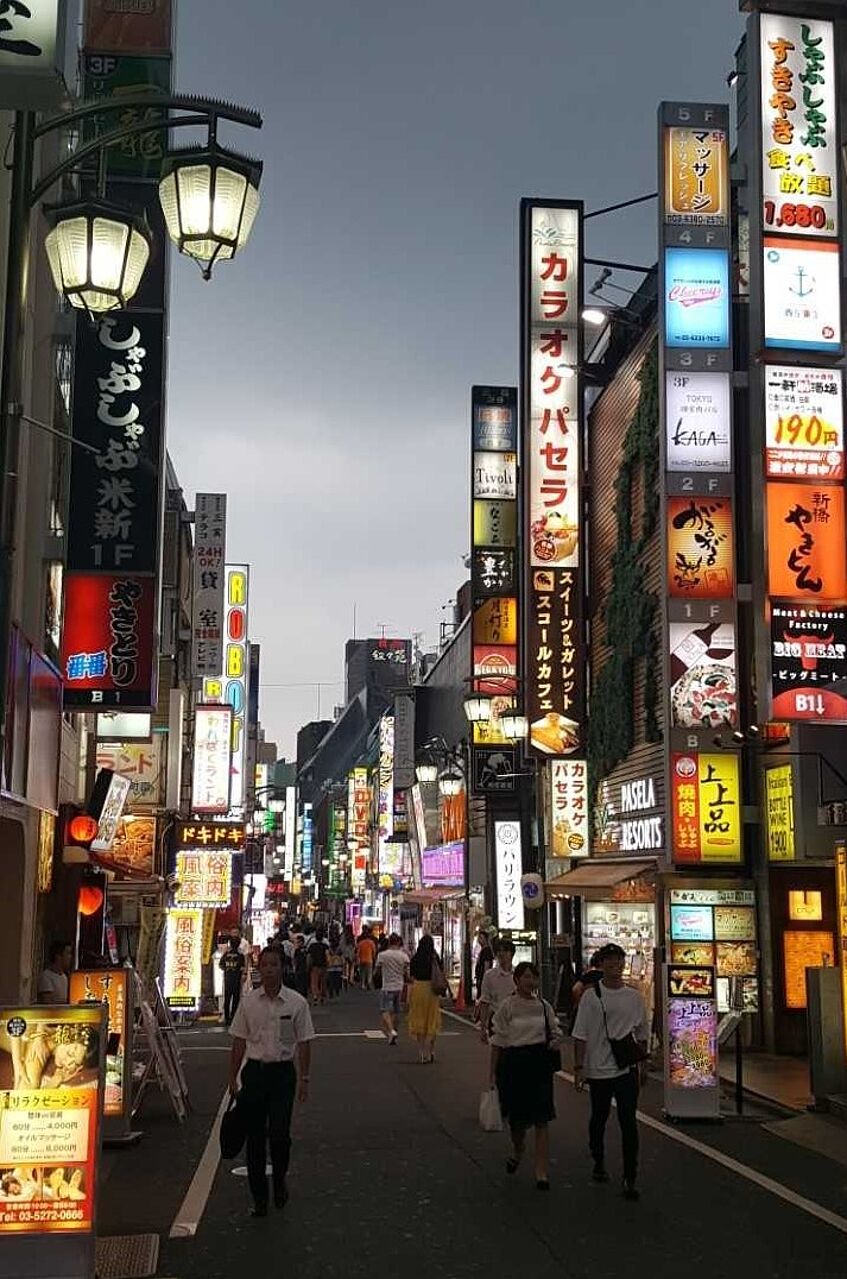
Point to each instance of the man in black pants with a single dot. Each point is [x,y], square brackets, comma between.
[273,1030]
[232,965]
[611,1011]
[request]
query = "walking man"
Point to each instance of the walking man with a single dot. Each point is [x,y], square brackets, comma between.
[497,984]
[232,965]
[611,1011]
[365,956]
[272,1029]
[393,966]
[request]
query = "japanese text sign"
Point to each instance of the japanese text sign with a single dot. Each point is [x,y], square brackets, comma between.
[800,159]
[203,878]
[569,808]
[806,541]
[207,625]
[809,663]
[698,415]
[111,988]
[701,558]
[706,808]
[107,641]
[804,423]
[183,958]
[210,790]
[555,668]
[509,867]
[140,26]
[140,763]
[51,1062]
[696,177]
[443,866]
[802,294]
[210,836]
[32,44]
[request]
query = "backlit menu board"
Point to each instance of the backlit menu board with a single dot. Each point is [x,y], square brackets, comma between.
[716,928]
[110,987]
[809,662]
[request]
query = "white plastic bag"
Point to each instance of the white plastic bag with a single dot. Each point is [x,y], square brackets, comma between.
[490,1119]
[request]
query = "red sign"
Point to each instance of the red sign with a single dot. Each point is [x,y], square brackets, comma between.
[128,26]
[107,642]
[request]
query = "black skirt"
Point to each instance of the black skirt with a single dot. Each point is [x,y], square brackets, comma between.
[525,1085]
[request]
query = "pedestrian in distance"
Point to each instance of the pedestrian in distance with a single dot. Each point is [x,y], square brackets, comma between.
[365,958]
[334,972]
[271,1048]
[316,952]
[53,982]
[301,966]
[393,967]
[612,1026]
[588,979]
[428,984]
[484,961]
[497,984]
[524,1037]
[232,965]
[348,953]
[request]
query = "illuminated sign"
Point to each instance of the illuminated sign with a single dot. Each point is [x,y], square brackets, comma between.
[443,866]
[203,879]
[569,808]
[495,422]
[495,668]
[809,663]
[701,558]
[802,294]
[307,845]
[841,904]
[703,685]
[495,475]
[385,796]
[235,674]
[779,813]
[215,836]
[692,1039]
[32,54]
[555,670]
[806,541]
[697,298]
[705,808]
[183,958]
[802,950]
[207,624]
[699,417]
[210,789]
[290,830]
[494,523]
[110,813]
[804,423]
[509,869]
[799,117]
[696,177]
[807,906]
[638,832]
[141,764]
[107,641]
[51,1062]
[110,987]
[495,621]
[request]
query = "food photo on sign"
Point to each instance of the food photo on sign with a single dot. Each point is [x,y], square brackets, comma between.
[692,1043]
[702,675]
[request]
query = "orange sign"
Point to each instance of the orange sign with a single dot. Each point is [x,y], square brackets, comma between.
[109,986]
[696,177]
[806,548]
[50,1073]
[496,622]
[701,560]
[804,950]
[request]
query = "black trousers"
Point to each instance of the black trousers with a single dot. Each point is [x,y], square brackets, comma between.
[268,1099]
[232,998]
[624,1091]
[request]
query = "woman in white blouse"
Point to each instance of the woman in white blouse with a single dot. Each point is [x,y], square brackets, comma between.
[524,1030]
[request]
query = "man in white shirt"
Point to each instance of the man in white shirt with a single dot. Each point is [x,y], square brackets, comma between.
[497,984]
[393,966]
[272,1028]
[611,1011]
[53,982]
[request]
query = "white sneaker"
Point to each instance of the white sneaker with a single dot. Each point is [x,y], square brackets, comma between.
[392,1039]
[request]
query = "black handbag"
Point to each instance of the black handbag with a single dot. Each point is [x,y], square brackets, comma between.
[233,1132]
[554,1055]
[627,1051]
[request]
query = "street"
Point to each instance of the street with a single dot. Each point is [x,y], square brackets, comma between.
[390,1168]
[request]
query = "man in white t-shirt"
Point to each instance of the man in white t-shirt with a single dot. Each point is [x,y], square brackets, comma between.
[497,984]
[53,982]
[393,966]
[611,1011]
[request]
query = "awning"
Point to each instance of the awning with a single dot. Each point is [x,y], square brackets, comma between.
[596,877]
[429,896]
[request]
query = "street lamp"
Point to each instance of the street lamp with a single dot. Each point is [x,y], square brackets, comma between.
[451,782]
[97,254]
[514,726]
[426,771]
[210,198]
[478,707]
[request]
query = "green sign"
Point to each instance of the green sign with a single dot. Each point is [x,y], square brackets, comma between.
[112,76]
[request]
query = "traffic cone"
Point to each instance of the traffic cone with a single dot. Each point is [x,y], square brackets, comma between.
[459,1002]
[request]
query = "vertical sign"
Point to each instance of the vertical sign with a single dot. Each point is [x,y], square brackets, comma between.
[232,684]
[207,624]
[210,786]
[290,831]
[509,865]
[841,895]
[183,958]
[32,51]
[698,486]
[779,813]
[554,651]
[385,791]
[494,560]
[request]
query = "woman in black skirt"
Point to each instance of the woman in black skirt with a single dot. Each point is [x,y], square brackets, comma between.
[524,1030]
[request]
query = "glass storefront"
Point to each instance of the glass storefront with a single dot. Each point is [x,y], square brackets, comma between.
[631,925]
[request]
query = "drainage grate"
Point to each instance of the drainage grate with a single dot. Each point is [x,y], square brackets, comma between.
[127,1257]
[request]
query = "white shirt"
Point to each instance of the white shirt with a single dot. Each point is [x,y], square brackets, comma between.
[497,985]
[520,1022]
[272,1027]
[394,964]
[53,987]
[625,1013]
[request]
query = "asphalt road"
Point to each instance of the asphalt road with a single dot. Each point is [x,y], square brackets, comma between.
[390,1171]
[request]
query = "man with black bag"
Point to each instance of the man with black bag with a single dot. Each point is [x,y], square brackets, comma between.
[611,1035]
[273,1030]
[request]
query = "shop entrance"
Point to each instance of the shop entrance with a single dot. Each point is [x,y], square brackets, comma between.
[805,935]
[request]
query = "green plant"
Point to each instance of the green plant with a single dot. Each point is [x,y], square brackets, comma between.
[630,608]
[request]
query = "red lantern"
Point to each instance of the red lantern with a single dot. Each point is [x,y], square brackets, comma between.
[90,899]
[82,828]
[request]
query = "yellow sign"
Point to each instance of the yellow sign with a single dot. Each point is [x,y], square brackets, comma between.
[696,177]
[841,894]
[719,793]
[805,906]
[496,621]
[779,813]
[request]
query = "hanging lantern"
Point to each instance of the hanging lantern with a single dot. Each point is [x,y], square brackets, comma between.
[90,899]
[97,254]
[478,707]
[210,198]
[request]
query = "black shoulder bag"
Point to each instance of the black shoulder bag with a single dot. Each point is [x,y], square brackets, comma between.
[554,1055]
[627,1051]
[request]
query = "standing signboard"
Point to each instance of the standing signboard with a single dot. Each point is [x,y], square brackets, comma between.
[51,1107]
[692,1080]
[112,988]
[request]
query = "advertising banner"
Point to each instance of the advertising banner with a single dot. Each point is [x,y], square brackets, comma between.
[236,676]
[203,879]
[692,1082]
[208,599]
[183,958]
[779,813]
[809,663]
[807,552]
[696,177]
[136,26]
[111,988]
[699,422]
[841,905]
[51,1102]
[107,641]
[509,869]
[210,789]
[702,668]
[569,808]
[697,297]
[141,764]
[118,77]
[210,836]
[385,796]
[443,866]
[804,423]
[706,808]
[554,661]
[802,294]
[701,552]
